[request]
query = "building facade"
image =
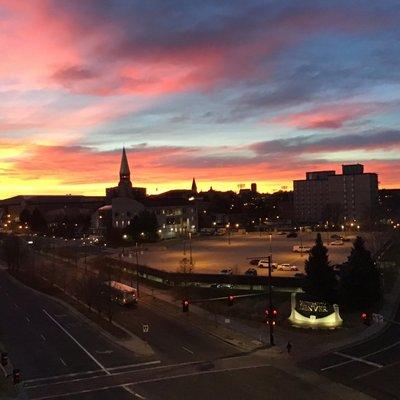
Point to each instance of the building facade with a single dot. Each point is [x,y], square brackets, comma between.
[327,196]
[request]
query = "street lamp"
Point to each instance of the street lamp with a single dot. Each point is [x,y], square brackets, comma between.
[228,226]
[190,250]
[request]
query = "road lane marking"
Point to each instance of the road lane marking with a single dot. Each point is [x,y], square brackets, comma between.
[103,351]
[43,337]
[27,318]
[188,350]
[135,365]
[361,357]
[16,305]
[101,388]
[63,362]
[358,359]
[80,378]
[82,347]
[54,377]
[133,393]
[376,370]
[336,365]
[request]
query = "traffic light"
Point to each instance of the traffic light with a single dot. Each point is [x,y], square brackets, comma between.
[16,376]
[185,305]
[4,359]
[366,318]
[230,300]
[271,315]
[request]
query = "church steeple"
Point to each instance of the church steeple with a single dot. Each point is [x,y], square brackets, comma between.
[194,186]
[125,184]
[124,172]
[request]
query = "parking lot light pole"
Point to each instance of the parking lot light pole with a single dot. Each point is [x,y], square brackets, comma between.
[301,242]
[271,325]
[190,250]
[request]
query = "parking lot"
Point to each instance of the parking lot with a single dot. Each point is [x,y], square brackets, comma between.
[212,253]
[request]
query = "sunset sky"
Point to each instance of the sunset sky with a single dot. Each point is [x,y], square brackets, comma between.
[228,92]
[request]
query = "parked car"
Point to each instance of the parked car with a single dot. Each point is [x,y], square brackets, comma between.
[222,286]
[291,235]
[226,271]
[337,243]
[265,264]
[287,267]
[251,271]
[301,249]
[254,261]
[335,236]
[284,267]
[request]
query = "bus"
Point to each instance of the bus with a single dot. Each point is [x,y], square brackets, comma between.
[120,293]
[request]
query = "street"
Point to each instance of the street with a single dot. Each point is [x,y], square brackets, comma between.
[371,366]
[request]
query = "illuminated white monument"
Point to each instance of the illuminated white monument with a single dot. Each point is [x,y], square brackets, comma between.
[314,314]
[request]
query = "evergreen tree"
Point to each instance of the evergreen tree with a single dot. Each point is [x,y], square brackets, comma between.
[25,216]
[146,223]
[38,222]
[361,282]
[320,282]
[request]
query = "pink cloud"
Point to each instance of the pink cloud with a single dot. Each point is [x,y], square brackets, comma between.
[333,116]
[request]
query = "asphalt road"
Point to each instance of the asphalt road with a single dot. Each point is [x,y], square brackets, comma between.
[371,367]
[173,339]
[37,333]
[52,345]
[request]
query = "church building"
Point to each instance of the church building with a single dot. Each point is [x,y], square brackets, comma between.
[176,214]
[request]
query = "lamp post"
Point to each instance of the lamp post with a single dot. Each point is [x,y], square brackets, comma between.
[259,226]
[271,325]
[270,244]
[228,226]
[190,250]
[301,242]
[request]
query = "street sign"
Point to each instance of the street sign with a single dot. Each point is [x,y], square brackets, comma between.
[146,328]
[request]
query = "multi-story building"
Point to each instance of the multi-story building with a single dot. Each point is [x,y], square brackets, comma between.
[327,196]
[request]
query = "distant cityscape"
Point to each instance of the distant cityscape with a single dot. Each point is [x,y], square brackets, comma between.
[323,198]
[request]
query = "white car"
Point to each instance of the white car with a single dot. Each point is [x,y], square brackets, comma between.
[337,243]
[287,267]
[265,264]
[301,249]
[226,271]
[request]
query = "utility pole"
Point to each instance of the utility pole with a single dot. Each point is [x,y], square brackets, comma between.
[271,324]
[137,270]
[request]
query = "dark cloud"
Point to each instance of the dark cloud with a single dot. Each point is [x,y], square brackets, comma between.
[73,74]
[318,143]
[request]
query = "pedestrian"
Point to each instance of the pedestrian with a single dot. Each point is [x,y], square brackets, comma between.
[289,347]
